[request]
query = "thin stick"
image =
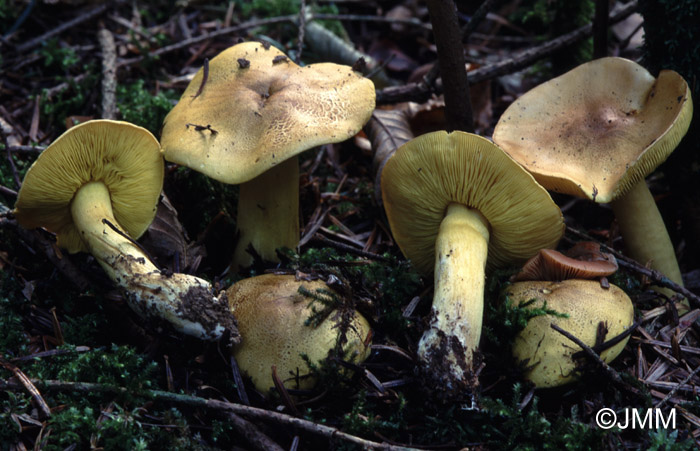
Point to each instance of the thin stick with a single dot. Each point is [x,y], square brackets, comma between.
[328,432]
[612,374]
[677,387]
[419,92]
[205,77]
[29,386]
[656,277]
[96,11]
[195,40]
[109,73]
[450,52]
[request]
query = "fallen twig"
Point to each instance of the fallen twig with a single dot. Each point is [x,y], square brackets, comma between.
[29,386]
[84,17]
[677,387]
[607,369]
[656,277]
[328,432]
[109,73]
[419,92]
[197,39]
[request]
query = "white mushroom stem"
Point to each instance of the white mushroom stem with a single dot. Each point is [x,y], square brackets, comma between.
[268,213]
[184,301]
[644,232]
[447,347]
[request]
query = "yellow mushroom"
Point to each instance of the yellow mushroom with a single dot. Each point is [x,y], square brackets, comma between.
[273,319]
[246,121]
[455,201]
[546,353]
[96,187]
[596,132]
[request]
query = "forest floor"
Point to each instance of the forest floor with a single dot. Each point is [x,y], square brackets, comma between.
[79,370]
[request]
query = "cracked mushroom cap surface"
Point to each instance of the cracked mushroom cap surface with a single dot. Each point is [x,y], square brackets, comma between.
[273,314]
[125,157]
[598,129]
[433,170]
[257,108]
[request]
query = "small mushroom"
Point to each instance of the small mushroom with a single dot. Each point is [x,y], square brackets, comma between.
[96,187]
[596,132]
[260,116]
[273,317]
[547,354]
[452,201]
[583,261]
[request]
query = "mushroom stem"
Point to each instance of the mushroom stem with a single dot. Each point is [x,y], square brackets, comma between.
[268,213]
[447,347]
[185,301]
[644,232]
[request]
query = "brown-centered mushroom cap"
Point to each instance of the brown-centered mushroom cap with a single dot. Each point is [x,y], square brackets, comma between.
[257,108]
[598,129]
[125,157]
[273,319]
[585,263]
[434,170]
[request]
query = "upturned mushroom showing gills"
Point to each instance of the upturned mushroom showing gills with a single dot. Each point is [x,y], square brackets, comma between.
[97,187]
[454,202]
[596,132]
[244,118]
[594,315]
[584,261]
[275,322]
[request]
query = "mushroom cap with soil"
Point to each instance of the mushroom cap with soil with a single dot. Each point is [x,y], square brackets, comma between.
[596,132]
[97,187]
[274,317]
[547,355]
[245,119]
[456,202]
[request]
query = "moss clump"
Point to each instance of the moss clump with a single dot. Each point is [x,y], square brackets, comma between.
[138,106]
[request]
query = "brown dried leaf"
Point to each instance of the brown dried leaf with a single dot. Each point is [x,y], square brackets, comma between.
[387,130]
[166,238]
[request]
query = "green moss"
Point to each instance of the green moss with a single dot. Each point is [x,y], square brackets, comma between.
[137,105]
[73,100]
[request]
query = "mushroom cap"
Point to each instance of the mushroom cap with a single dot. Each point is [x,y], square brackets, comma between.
[125,157]
[433,170]
[598,129]
[262,112]
[548,354]
[272,316]
[550,264]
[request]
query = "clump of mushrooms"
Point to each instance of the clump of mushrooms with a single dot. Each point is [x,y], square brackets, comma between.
[588,309]
[455,201]
[246,116]
[96,187]
[274,313]
[596,132]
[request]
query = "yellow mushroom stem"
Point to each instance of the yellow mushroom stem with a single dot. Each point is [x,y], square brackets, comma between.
[447,347]
[268,213]
[185,301]
[644,233]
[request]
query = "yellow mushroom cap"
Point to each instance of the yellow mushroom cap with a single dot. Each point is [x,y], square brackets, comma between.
[433,170]
[598,129]
[546,353]
[272,316]
[125,157]
[262,112]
